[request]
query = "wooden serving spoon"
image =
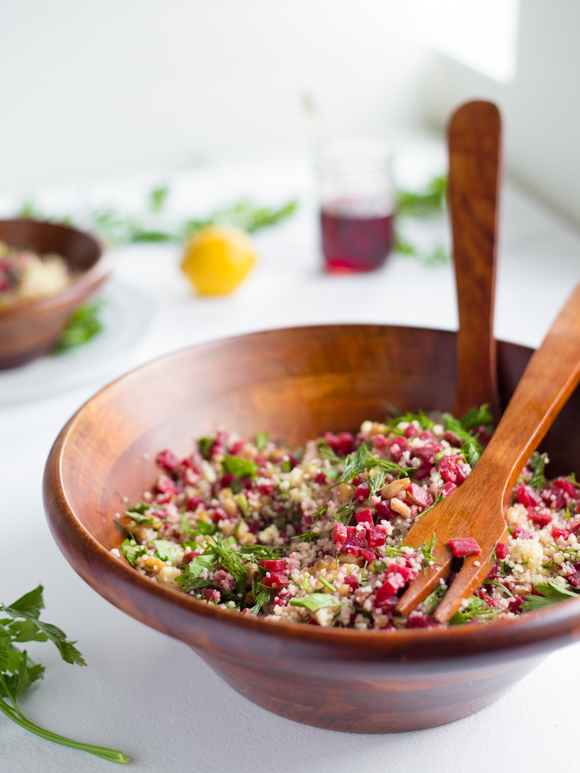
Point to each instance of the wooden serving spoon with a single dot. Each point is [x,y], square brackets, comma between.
[477,508]
[474,142]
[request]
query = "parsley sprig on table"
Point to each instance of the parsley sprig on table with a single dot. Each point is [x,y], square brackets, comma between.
[18,671]
[154,225]
[81,328]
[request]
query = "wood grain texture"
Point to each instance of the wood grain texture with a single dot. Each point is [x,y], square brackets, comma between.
[295,383]
[477,509]
[474,139]
[31,328]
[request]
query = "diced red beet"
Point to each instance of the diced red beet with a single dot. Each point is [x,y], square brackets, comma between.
[453,439]
[254,527]
[368,554]
[448,468]
[526,496]
[354,540]
[351,581]
[236,447]
[221,515]
[398,449]
[423,471]
[219,445]
[212,595]
[190,555]
[364,516]
[426,435]
[416,495]
[275,580]
[376,536]
[227,479]
[165,485]
[379,441]
[428,451]
[448,488]
[362,492]
[540,519]
[411,430]
[320,478]
[520,533]
[515,604]
[168,460]
[194,502]
[559,532]
[384,511]
[464,546]
[574,579]
[419,620]
[566,485]
[554,497]
[341,444]
[274,564]
[339,535]
[501,550]
[460,476]
[390,586]
[266,489]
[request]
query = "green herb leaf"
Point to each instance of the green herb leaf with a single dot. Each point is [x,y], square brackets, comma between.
[476,610]
[165,550]
[423,203]
[131,550]
[261,440]
[471,448]
[157,198]
[242,502]
[205,444]
[475,417]
[82,327]
[241,468]
[138,517]
[315,601]
[262,596]
[551,594]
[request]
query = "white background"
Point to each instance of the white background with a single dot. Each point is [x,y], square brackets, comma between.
[92,91]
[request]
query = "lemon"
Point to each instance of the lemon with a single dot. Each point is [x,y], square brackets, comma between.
[218,259]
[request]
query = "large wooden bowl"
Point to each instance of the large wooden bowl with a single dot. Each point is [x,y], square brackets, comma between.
[295,383]
[29,329]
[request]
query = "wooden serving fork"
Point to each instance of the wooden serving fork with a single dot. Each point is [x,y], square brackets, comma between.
[477,508]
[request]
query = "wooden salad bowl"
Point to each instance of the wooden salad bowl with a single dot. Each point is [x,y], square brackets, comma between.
[30,329]
[295,383]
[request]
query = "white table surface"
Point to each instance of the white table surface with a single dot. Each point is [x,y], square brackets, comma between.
[151,696]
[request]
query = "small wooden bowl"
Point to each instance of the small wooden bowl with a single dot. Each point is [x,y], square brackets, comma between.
[29,329]
[295,383]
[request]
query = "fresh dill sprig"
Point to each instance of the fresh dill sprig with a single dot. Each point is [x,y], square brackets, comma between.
[376,481]
[434,599]
[427,549]
[477,609]
[18,671]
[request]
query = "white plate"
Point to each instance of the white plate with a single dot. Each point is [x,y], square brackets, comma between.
[125,316]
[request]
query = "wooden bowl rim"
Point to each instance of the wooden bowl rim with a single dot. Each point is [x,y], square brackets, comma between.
[82,286]
[556,622]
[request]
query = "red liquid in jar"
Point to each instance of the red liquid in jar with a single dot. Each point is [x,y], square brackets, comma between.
[351,244]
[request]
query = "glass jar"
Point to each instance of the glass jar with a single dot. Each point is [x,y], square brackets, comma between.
[357,204]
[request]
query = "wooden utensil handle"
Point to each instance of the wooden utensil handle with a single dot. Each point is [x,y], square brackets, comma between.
[474,137]
[551,376]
